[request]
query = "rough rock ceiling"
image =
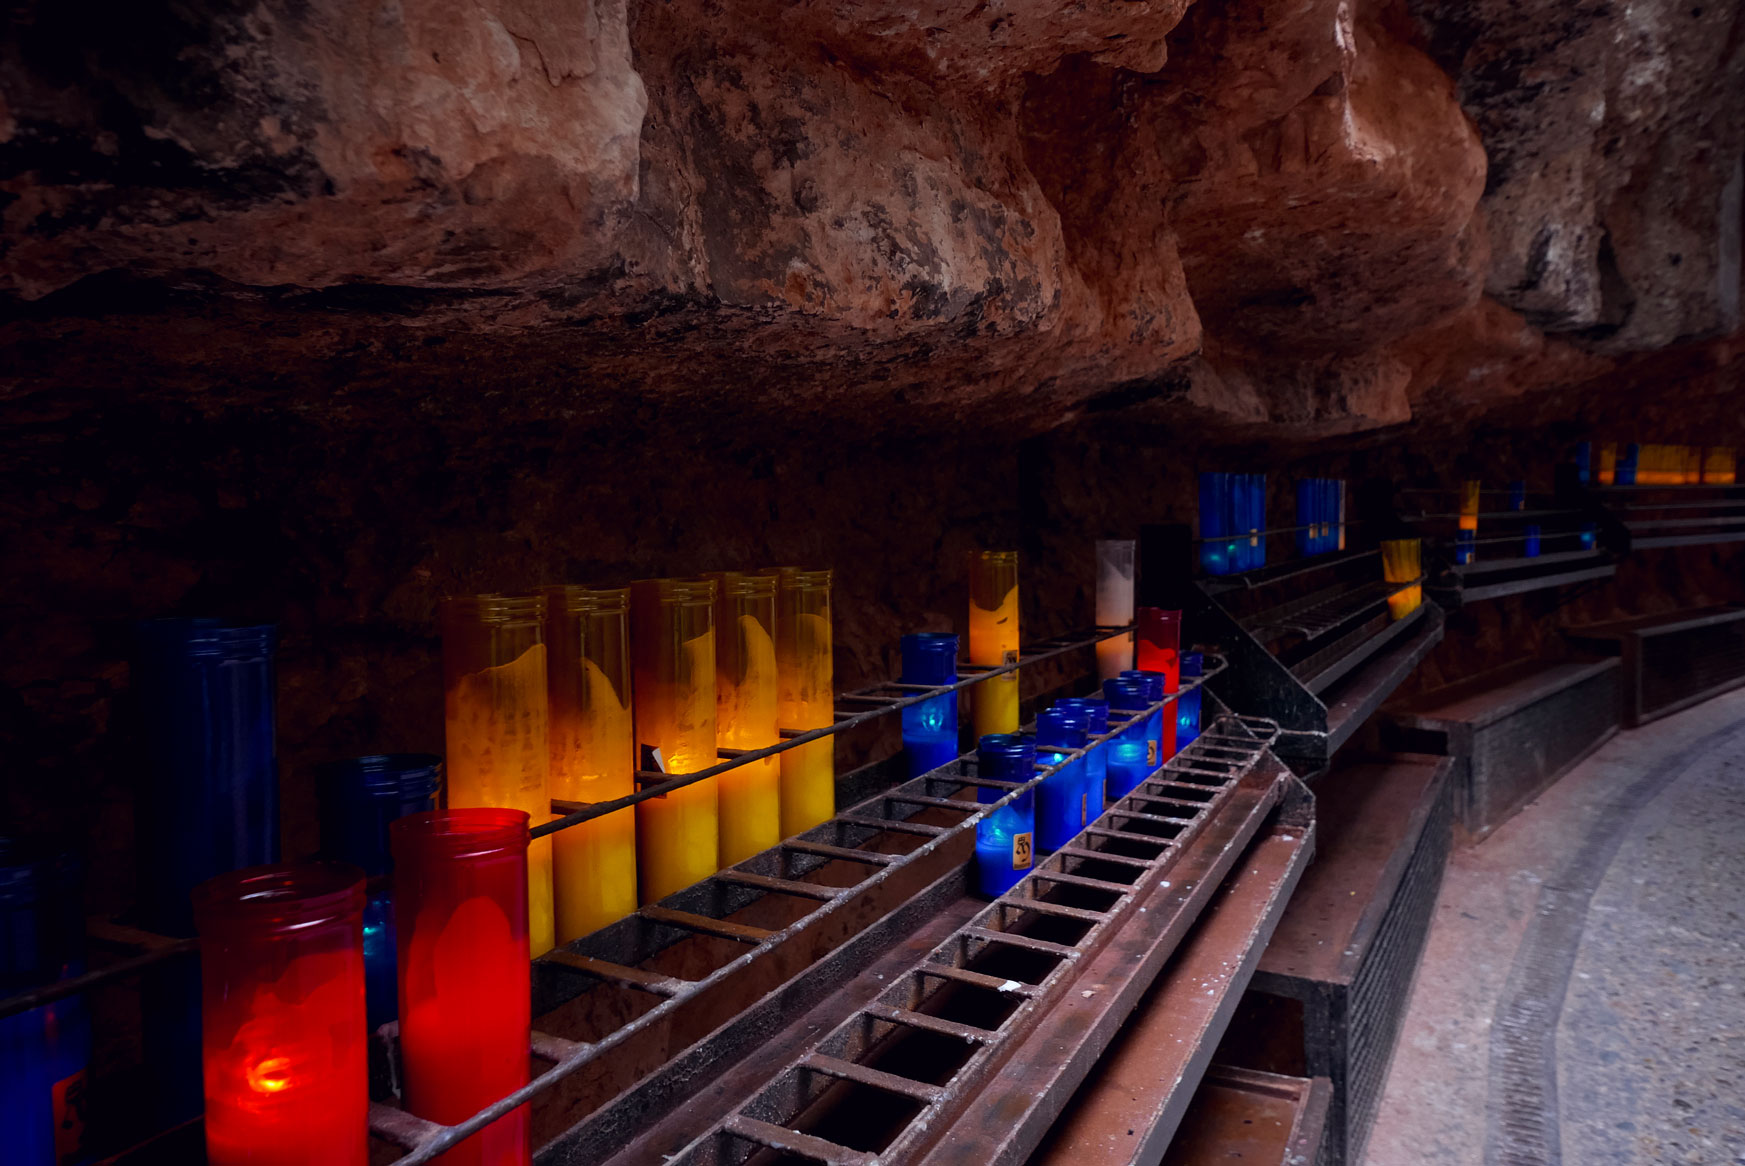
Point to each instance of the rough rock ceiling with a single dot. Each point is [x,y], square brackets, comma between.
[1295,217]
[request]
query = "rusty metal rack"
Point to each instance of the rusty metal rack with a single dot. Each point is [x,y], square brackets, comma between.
[963,1042]
[1314,647]
[674,994]
[1676,516]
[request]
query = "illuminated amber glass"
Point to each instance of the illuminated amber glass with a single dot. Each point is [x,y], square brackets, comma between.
[1608,471]
[1720,465]
[993,638]
[1402,561]
[1469,505]
[593,754]
[747,693]
[807,700]
[497,710]
[672,647]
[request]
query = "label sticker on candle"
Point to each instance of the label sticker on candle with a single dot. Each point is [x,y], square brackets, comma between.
[1021,852]
[1011,656]
[69,1111]
[1151,753]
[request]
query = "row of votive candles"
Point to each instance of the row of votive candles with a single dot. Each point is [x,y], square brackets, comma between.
[1607,463]
[1233,520]
[569,693]
[1531,536]
[283,1002]
[1087,773]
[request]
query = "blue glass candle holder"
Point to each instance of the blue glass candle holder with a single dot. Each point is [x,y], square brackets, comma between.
[1465,546]
[1217,548]
[1187,705]
[207,711]
[930,728]
[359,798]
[1308,517]
[1060,799]
[1153,683]
[1096,712]
[1130,754]
[1584,461]
[1587,536]
[1518,495]
[1006,838]
[1626,474]
[1530,542]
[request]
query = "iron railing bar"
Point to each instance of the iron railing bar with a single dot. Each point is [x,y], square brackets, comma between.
[704,924]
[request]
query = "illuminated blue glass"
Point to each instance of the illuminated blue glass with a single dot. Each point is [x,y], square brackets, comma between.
[1096,711]
[1187,705]
[1131,754]
[1216,524]
[930,728]
[1153,682]
[41,940]
[1060,799]
[1465,546]
[1530,542]
[1626,468]
[1587,536]
[1517,495]
[1584,460]
[359,797]
[1006,838]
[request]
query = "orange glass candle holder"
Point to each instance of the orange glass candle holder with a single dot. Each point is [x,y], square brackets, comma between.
[466,1011]
[496,708]
[1607,474]
[593,754]
[1402,562]
[672,648]
[747,696]
[1469,505]
[993,638]
[1720,465]
[806,673]
[283,1019]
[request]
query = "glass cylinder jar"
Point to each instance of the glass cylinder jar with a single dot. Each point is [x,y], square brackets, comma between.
[1061,799]
[806,665]
[282,1016]
[498,715]
[1160,640]
[993,638]
[1401,561]
[1133,754]
[1006,838]
[930,728]
[359,797]
[1160,726]
[1607,473]
[1628,461]
[1187,716]
[593,754]
[1115,575]
[1469,495]
[747,700]
[1096,713]
[672,645]
[460,905]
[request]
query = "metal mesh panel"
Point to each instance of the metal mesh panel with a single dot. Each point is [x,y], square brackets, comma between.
[1517,756]
[1677,666]
[1380,991]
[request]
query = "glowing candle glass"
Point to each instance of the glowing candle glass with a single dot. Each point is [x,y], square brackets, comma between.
[1401,562]
[1132,755]
[1218,547]
[1607,473]
[1160,639]
[593,754]
[32,1085]
[359,798]
[1006,838]
[498,714]
[1160,726]
[1530,542]
[1720,465]
[1061,798]
[1096,712]
[747,696]
[282,1016]
[1187,706]
[466,1010]
[1583,457]
[1627,462]
[930,728]
[804,661]
[1469,493]
[993,638]
[672,644]
[1517,495]
[1115,573]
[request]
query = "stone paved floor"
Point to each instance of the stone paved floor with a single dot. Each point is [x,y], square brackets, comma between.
[1650,1042]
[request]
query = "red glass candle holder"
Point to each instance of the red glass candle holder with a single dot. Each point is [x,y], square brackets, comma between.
[460,911]
[283,1034]
[1160,641]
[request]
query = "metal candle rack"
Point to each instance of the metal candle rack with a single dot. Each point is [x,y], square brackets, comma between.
[1676,516]
[1574,532]
[862,878]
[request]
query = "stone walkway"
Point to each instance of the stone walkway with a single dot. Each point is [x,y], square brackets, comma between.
[1582,996]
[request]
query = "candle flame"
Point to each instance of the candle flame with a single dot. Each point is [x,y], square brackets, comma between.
[272,1075]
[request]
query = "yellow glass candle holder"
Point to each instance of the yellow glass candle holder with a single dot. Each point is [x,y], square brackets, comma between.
[747,696]
[1469,505]
[672,648]
[496,712]
[593,754]
[993,638]
[1693,465]
[1402,562]
[806,674]
[1607,474]
[1720,465]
